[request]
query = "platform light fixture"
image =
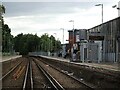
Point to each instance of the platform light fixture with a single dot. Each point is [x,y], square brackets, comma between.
[115,6]
[102,10]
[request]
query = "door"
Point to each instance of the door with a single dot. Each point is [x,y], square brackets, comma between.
[93,52]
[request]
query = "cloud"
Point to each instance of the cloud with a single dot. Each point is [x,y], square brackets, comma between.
[30,8]
[59,0]
[26,17]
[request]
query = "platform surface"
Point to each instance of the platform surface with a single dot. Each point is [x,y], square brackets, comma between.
[6,58]
[107,66]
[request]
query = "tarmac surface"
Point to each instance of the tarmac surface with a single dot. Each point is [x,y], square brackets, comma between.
[107,66]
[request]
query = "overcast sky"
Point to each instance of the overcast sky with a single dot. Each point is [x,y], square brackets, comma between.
[49,17]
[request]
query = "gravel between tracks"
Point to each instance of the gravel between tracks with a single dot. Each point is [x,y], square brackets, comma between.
[64,80]
[7,65]
[95,77]
[11,82]
[39,80]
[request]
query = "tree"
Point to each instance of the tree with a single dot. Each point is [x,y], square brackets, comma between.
[2,8]
[18,42]
[45,42]
[2,11]
[49,43]
[26,43]
[7,39]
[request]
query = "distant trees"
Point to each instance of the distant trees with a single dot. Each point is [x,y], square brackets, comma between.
[49,43]
[26,43]
[31,43]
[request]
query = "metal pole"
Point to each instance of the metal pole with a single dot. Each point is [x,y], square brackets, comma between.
[102,10]
[73,29]
[73,35]
[102,41]
[55,44]
[102,13]
[63,35]
[102,28]
[73,38]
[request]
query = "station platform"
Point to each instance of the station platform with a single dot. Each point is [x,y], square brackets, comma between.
[105,66]
[7,58]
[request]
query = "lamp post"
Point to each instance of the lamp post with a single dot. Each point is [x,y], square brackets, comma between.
[55,42]
[116,46]
[102,28]
[115,6]
[118,8]
[72,40]
[73,29]
[102,10]
[63,34]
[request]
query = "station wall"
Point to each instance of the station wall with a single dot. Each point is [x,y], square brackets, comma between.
[110,44]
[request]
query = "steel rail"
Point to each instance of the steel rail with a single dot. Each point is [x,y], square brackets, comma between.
[25,78]
[28,77]
[31,75]
[83,83]
[10,71]
[52,80]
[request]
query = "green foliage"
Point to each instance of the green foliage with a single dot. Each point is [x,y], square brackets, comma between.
[7,39]
[31,43]
[2,9]
[49,43]
[26,43]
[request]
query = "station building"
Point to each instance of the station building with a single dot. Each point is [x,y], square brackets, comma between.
[98,44]
[75,39]
[108,34]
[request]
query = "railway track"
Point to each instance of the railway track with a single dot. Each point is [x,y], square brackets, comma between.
[4,76]
[95,78]
[13,79]
[29,81]
[51,79]
[36,73]
[71,76]
[71,79]
[8,65]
